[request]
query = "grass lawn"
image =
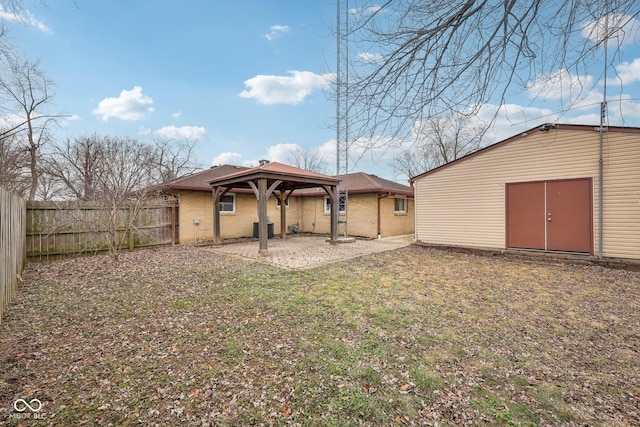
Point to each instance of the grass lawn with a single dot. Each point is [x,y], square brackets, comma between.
[186,336]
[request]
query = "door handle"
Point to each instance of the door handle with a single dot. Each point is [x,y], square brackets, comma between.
[548,216]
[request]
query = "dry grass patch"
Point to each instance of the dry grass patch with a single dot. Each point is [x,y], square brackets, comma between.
[408,337]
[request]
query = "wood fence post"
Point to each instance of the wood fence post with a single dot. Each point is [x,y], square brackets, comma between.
[173,223]
[130,228]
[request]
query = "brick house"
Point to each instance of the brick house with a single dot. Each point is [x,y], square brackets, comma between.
[376,207]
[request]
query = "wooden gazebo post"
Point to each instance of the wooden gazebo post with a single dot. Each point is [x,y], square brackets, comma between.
[332,191]
[262,215]
[216,215]
[283,214]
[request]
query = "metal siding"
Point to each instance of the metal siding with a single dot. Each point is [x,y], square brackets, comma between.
[621,206]
[464,204]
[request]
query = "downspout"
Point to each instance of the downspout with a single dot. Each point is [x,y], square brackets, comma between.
[379,225]
[600,177]
[603,112]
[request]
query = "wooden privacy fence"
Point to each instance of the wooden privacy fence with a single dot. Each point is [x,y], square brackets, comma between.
[58,229]
[12,246]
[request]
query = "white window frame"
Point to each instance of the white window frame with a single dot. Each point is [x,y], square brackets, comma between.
[226,212]
[341,202]
[395,206]
[286,202]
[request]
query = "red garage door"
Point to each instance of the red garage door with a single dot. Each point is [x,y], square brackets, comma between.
[550,215]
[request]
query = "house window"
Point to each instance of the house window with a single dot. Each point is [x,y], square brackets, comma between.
[327,204]
[228,203]
[400,206]
[286,203]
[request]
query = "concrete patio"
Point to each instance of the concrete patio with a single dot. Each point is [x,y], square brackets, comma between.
[303,251]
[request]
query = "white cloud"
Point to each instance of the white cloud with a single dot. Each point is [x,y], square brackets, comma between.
[281,152]
[364,152]
[25,17]
[275,31]
[510,119]
[229,158]
[621,27]
[627,73]
[190,133]
[559,85]
[131,105]
[9,16]
[365,10]
[177,114]
[291,89]
[144,131]
[66,121]
[370,57]
[620,109]
[10,120]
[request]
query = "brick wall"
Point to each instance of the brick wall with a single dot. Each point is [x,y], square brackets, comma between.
[308,213]
[396,224]
[363,216]
[199,204]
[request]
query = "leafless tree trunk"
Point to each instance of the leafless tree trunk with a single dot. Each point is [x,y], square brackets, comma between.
[13,160]
[77,165]
[304,158]
[424,59]
[25,90]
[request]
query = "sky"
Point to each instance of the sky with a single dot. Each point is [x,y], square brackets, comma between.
[247,80]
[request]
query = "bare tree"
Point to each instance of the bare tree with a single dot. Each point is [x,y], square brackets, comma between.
[412,162]
[13,175]
[26,91]
[115,173]
[173,159]
[425,59]
[111,172]
[439,141]
[83,165]
[304,158]
[127,172]
[77,165]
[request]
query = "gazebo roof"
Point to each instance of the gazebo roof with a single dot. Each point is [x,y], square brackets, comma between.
[292,178]
[264,180]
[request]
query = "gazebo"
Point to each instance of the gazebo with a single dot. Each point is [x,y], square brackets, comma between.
[273,178]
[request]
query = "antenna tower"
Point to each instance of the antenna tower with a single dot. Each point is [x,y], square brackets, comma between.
[342,106]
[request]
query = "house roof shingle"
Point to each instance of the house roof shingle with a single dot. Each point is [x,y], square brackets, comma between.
[359,182]
[199,181]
